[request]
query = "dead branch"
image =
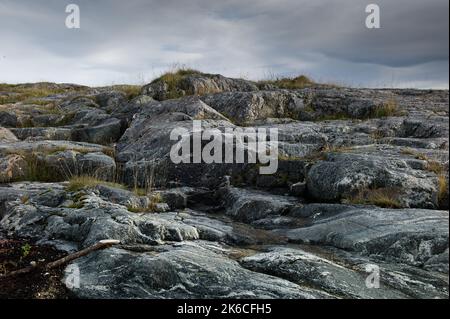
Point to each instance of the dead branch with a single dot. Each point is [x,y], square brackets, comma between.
[65,260]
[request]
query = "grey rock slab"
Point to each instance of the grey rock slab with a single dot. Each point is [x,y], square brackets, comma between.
[411,236]
[305,268]
[188,270]
[95,220]
[251,205]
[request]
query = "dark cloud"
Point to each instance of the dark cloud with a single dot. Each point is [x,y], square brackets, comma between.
[135,40]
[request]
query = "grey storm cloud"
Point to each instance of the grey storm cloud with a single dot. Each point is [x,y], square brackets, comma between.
[133,41]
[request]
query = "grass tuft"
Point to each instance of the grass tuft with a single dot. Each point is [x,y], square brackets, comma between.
[79,182]
[386,109]
[151,207]
[382,197]
[442,188]
[298,82]
[172,79]
[131,91]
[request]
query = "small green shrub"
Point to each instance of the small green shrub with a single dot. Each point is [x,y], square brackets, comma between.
[442,187]
[26,249]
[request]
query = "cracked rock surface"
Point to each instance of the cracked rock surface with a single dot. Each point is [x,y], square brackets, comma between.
[362,181]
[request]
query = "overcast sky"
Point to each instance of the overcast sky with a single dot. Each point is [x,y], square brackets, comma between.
[135,40]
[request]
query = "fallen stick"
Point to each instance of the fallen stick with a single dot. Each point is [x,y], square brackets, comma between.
[55,264]
[100,245]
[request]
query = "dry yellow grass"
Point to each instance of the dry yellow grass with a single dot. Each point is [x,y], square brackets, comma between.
[79,182]
[442,187]
[298,82]
[131,91]
[173,78]
[382,197]
[435,167]
[151,207]
[386,109]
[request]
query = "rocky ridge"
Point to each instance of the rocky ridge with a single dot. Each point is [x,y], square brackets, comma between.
[362,180]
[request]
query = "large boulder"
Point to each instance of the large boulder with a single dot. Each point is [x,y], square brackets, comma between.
[246,107]
[7,136]
[8,119]
[144,149]
[195,84]
[94,218]
[54,161]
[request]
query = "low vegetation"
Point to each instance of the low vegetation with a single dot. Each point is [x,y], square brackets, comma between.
[435,167]
[286,157]
[386,109]
[37,169]
[155,199]
[442,189]
[26,249]
[298,82]
[25,199]
[318,155]
[172,79]
[414,153]
[31,93]
[431,165]
[131,91]
[79,182]
[382,197]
